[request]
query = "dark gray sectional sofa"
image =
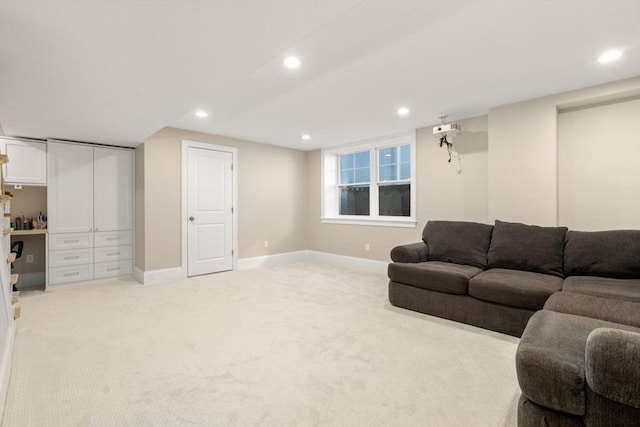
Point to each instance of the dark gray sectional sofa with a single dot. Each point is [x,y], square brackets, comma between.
[495,277]
[573,297]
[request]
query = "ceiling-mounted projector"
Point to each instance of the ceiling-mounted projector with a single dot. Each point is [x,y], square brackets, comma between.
[451,128]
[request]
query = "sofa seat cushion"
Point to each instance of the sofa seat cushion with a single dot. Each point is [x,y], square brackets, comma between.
[550,360]
[525,247]
[613,253]
[626,289]
[434,275]
[459,242]
[609,309]
[515,288]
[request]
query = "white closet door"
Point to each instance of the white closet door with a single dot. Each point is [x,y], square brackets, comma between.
[113,189]
[70,189]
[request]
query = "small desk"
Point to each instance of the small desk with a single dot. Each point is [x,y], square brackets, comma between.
[28,232]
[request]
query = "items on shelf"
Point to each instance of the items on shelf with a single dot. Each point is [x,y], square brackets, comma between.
[7,211]
[34,223]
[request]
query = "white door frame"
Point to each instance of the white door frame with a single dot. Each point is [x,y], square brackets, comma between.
[234,153]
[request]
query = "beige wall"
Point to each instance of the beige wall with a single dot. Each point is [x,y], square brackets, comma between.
[271,198]
[139,207]
[455,190]
[505,167]
[523,152]
[599,166]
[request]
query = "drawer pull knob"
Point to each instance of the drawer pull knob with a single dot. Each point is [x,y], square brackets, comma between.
[72,241]
[113,253]
[72,257]
[113,238]
[71,274]
[113,269]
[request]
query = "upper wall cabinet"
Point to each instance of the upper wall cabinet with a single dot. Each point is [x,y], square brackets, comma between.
[28,163]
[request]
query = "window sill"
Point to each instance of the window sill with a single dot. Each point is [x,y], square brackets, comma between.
[377,222]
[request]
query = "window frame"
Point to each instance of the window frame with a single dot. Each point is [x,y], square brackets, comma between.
[330,182]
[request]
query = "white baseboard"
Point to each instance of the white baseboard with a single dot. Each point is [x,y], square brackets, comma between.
[155,277]
[261,261]
[5,367]
[354,263]
[138,274]
[170,274]
[362,264]
[30,280]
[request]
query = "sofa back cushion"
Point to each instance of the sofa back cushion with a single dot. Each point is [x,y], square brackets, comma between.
[614,253]
[527,247]
[458,242]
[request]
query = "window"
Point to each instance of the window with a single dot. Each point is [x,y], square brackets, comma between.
[355,173]
[370,183]
[394,181]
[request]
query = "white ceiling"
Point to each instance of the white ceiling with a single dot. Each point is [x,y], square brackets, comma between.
[116,72]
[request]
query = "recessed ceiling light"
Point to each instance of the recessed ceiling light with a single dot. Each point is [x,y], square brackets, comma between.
[201,114]
[610,56]
[403,111]
[292,62]
[306,137]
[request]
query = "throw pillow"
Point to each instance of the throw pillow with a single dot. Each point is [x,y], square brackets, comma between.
[527,247]
[458,242]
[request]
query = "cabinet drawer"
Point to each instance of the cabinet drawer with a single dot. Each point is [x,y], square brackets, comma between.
[112,253]
[70,257]
[113,268]
[112,238]
[73,273]
[70,241]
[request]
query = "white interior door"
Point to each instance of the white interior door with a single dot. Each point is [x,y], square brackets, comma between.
[209,211]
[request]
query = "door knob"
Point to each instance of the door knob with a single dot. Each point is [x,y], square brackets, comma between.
[191,218]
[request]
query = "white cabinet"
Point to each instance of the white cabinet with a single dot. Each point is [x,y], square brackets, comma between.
[70,189]
[90,209]
[28,161]
[113,189]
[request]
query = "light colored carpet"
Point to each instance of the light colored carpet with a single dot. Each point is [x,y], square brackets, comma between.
[300,344]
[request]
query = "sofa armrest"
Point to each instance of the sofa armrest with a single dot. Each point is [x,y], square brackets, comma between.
[612,365]
[414,252]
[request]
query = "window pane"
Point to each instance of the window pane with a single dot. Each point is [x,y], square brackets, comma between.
[405,153]
[346,162]
[387,156]
[346,176]
[387,173]
[354,200]
[405,171]
[362,159]
[362,175]
[395,200]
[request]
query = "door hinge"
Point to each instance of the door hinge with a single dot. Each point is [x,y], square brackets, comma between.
[232,209]
[232,252]
[231,166]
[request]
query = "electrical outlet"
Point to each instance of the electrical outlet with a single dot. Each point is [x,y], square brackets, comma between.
[266,243]
[29,259]
[366,247]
